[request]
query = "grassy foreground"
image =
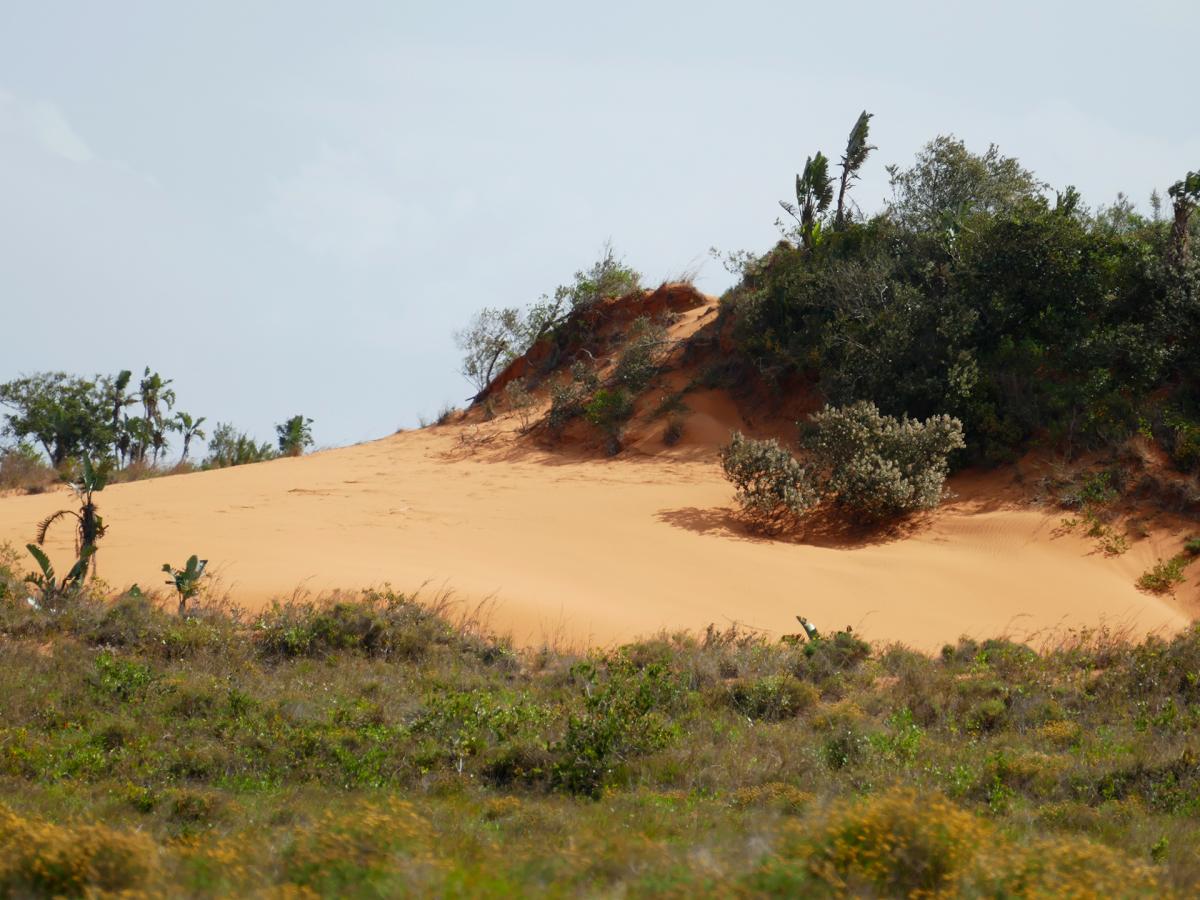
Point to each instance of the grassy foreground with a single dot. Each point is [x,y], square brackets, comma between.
[368,746]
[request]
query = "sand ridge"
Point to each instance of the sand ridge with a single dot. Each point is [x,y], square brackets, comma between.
[602,550]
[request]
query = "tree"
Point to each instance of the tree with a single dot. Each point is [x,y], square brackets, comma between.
[294,435]
[155,393]
[188,428]
[117,396]
[496,337]
[493,339]
[947,183]
[814,193]
[1185,195]
[67,415]
[857,150]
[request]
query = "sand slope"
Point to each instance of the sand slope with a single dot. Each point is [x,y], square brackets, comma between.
[600,550]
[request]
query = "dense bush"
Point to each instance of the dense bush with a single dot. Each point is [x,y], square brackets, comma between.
[872,466]
[975,296]
[773,488]
[878,467]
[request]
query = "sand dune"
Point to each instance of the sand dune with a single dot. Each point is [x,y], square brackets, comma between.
[601,550]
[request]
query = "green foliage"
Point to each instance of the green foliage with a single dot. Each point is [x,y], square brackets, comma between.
[55,593]
[568,398]
[220,766]
[496,337]
[772,698]
[814,193]
[294,435]
[230,447]
[773,489]
[186,581]
[609,410]
[619,719]
[948,184]
[639,362]
[1162,577]
[857,151]
[878,467]
[975,296]
[520,401]
[492,340]
[63,413]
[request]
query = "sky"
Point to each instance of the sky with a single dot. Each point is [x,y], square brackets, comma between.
[289,207]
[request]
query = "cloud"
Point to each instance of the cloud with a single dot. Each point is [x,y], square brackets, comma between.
[42,124]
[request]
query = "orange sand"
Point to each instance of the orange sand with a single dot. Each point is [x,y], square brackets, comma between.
[603,550]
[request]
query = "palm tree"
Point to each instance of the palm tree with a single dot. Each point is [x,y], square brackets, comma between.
[154,391]
[857,150]
[188,429]
[118,397]
[814,193]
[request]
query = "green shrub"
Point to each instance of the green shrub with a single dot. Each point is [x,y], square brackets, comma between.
[639,361]
[772,698]
[569,398]
[1164,575]
[773,489]
[619,720]
[877,466]
[608,410]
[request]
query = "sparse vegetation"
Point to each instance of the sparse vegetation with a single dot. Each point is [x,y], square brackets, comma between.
[368,745]
[1164,575]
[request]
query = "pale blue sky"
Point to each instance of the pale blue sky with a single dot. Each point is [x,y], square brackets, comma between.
[289,206]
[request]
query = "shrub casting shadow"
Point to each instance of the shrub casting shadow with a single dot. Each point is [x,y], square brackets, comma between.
[823,528]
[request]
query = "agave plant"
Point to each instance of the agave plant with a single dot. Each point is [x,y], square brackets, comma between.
[53,591]
[89,525]
[186,581]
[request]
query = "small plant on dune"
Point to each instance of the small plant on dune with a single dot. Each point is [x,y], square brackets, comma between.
[568,398]
[186,581]
[295,435]
[639,362]
[1192,546]
[520,401]
[89,525]
[54,592]
[773,488]
[1164,575]
[609,410]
